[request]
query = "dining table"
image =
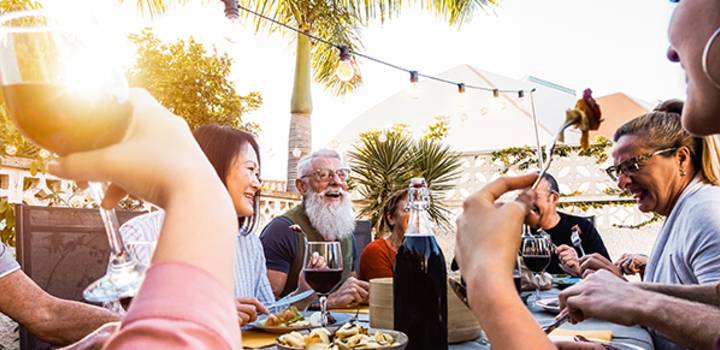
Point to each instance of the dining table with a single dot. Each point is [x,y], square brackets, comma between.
[623,337]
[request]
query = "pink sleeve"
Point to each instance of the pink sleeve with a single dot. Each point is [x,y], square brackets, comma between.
[180,307]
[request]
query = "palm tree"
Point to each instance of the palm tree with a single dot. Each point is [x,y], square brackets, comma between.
[384,167]
[337,21]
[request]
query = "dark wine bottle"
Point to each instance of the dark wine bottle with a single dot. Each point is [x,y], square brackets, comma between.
[420,278]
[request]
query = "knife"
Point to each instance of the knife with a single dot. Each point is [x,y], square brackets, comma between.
[562,319]
[288,300]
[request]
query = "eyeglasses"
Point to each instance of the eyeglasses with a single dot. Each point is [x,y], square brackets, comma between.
[632,165]
[326,174]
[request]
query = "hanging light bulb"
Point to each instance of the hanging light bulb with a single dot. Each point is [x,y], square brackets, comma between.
[382,137]
[345,70]
[461,96]
[413,90]
[231,9]
[296,152]
[521,94]
[10,150]
[229,30]
[497,102]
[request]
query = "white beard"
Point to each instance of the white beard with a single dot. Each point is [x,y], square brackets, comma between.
[333,221]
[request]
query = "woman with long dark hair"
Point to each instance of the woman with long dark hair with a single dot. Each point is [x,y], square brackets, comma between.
[235,156]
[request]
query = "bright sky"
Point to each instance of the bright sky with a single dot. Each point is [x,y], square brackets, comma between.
[608,45]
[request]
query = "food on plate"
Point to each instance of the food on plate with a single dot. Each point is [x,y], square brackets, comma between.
[290,317]
[587,113]
[349,336]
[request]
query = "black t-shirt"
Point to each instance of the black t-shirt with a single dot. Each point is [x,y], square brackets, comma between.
[280,245]
[591,241]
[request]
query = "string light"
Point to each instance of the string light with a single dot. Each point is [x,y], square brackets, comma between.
[413,91]
[461,99]
[521,93]
[231,11]
[345,70]
[296,152]
[382,137]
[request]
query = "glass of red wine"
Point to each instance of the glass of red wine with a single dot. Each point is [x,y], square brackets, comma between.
[66,93]
[323,270]
[536,251]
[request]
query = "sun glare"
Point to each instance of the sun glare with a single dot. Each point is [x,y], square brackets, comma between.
[93,53]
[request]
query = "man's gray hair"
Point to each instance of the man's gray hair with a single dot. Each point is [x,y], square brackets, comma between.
[305,164]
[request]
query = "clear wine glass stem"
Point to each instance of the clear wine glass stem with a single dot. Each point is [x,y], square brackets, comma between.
[537,285]
[116,307]
[124,275]
[112,226]
[323,311]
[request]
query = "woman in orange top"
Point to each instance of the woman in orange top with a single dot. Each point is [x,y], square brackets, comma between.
[378,258]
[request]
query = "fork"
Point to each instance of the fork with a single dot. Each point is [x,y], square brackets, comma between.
[575,239]
[549,159]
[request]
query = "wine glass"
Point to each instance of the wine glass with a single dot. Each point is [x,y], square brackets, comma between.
[536,251]
[65,94]
[323,270]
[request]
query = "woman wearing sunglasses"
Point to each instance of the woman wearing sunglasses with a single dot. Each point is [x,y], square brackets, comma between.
[675,175]
[681,312]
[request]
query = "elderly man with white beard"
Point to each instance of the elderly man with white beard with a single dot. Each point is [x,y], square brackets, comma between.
[325,214]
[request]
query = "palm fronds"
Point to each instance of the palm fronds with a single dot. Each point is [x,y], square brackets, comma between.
[384,167]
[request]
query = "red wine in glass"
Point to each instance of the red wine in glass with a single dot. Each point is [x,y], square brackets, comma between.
[323,281]
[536,263]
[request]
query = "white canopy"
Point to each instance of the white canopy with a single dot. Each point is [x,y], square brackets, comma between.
[477,120]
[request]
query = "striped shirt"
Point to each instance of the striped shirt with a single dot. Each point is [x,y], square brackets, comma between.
[250,271]
[8,264]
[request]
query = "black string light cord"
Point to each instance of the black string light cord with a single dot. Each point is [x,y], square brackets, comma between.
[231,12]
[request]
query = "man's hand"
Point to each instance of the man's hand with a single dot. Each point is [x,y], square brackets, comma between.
[595,262]
[317,261]
[352,292]
[248,308]
[569,260]
[630,264]
[605,296]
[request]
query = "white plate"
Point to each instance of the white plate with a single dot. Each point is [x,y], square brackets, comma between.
[615,343]
[551,305]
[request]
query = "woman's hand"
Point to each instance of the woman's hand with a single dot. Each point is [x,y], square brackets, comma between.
[630,264]
[594,262]
[248,308]
[488,233]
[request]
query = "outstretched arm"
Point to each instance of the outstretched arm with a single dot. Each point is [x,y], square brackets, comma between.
[54,320]
[703,293]
[605,296]
[488,238]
